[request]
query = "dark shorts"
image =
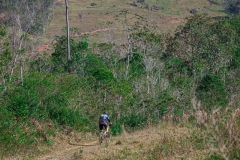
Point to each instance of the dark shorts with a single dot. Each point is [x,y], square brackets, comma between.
[103,125]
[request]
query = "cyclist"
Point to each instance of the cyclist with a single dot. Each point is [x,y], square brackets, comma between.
[103,121]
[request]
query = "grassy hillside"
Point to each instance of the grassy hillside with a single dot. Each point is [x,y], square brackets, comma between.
[89,16]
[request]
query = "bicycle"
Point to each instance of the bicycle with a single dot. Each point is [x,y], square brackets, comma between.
[104,136]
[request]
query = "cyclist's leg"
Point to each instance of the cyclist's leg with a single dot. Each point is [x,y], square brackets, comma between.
[106,126]
[100,134]
[101,127]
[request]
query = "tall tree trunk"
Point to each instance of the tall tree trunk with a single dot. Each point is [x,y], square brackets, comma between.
[67,23]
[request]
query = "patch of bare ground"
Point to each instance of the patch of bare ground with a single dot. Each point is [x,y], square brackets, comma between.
[165,140]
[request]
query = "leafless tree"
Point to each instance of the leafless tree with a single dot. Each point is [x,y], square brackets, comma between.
[68,37]
[23,18]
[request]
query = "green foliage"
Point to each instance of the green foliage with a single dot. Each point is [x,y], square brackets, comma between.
[236,154]
[235,64]
[234,24]
[2,31]
[200,45]
[5,57]
[78,63]
[93,4]
[122,87]
[103,75]
[211,91]
[215,157]
[41,63]
[82,62]
[59,57]
[165,102]
[137,66]
[13,134]
[192,119]
[135,121]
[200,48]
[44,97]
[116,128]
[66,116]
[45,100]
[178,112]
[92,64]
[82,45]
[175,67]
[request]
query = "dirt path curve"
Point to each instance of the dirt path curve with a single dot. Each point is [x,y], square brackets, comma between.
[139,141]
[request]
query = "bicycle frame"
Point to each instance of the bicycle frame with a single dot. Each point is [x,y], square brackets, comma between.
[104,136]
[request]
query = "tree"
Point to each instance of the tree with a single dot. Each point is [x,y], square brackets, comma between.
[23,19]
[5,57]
[232,6]
[203,45]
[200,48]
[67,23]
[31,14]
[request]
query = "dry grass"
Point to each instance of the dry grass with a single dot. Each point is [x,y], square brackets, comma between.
[166,141]
[217,134]
[89,18]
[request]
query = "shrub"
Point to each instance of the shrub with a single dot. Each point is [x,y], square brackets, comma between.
[135,121]
[93,4]
[116,127]
[211,91]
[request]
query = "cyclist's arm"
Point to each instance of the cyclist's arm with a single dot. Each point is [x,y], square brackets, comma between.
[108,119]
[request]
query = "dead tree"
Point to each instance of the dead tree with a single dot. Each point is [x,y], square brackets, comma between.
[68,37]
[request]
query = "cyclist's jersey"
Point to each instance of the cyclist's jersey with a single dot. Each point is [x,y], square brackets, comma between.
[103,118]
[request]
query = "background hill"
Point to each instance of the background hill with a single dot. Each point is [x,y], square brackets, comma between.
[95,16]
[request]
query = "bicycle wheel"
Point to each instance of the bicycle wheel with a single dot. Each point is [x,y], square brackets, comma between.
[101,137]
[107,137]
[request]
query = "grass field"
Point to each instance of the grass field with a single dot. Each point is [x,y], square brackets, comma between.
[96,15]
[165,142]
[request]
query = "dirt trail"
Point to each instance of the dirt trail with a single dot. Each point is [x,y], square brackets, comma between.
[139,141]
[44,47]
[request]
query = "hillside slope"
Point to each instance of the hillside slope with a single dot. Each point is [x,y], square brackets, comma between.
[104,19]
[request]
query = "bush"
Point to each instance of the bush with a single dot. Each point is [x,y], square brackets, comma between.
[13,135]
[59,58]
[211,91]
[46,100]
[116,128]
[93,4]
[135,121]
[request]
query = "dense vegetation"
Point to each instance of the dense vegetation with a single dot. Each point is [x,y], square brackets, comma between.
[198,68]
